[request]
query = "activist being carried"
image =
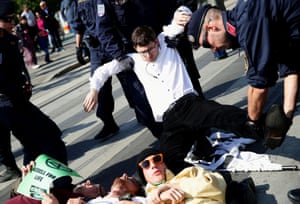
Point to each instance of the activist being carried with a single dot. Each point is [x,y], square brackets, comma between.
[268,32]
[184,114]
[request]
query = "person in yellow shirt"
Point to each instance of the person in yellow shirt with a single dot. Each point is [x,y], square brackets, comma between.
[193,185]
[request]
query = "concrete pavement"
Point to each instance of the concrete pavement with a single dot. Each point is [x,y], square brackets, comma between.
[59,88]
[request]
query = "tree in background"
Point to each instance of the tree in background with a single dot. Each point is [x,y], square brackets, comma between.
[34,5]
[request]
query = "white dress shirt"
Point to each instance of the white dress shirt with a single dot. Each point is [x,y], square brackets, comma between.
[30,18]
[165,80]
[105,200]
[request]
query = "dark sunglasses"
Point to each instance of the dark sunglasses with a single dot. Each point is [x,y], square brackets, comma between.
[155,159]
[7,19]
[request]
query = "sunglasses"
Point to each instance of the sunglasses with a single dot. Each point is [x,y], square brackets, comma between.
[7,19]
[155,159]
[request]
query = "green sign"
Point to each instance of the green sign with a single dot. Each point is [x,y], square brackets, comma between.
[44,172]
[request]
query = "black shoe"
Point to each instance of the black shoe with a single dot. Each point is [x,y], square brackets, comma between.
[294,196]
[9,174]
[277,126]
[107,132]
[254,130]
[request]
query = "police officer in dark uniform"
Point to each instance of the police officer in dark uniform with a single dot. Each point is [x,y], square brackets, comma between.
[36,132]
[84,27]
[116,20]
[268,32]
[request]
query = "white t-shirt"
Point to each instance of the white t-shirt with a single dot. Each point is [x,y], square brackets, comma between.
[103,200]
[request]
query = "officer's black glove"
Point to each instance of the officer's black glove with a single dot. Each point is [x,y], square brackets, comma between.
[79,55]
[172,42]
[126,63]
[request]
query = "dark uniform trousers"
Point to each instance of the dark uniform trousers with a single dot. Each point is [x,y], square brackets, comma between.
[105,98]
[36,132]
[189,114]
[6,156]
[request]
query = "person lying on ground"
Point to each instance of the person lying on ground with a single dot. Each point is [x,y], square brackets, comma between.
[77,194]
[193,185]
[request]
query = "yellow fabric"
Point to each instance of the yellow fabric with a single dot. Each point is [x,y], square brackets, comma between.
[199,185]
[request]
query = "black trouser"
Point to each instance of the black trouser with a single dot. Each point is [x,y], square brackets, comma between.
[56,41]
[36,131]
[6,156]
[105,98]
[182,123]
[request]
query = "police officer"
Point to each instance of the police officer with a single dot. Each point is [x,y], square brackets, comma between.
[36,132]
[84,26]
[116,20]
[268,32]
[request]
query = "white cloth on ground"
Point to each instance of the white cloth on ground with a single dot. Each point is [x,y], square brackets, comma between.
[229,146]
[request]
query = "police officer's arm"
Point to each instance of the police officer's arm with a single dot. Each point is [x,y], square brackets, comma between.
[14,77]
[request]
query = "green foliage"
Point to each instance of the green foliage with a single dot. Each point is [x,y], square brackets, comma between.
[34,5]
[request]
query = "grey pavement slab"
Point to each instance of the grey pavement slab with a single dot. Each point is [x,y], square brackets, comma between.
[59,91]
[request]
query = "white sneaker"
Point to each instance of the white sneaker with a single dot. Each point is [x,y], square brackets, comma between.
[35,66]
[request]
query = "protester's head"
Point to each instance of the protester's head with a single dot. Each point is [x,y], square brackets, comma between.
[126,185]
[134,187]
[145,43]
[151,167]
[7,17]
[88,189]
[206,29]
[118,188]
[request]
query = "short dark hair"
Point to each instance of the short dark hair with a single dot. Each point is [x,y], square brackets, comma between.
[142,36]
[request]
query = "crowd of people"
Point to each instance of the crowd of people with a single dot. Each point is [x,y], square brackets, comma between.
[152,56]
[38,31]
